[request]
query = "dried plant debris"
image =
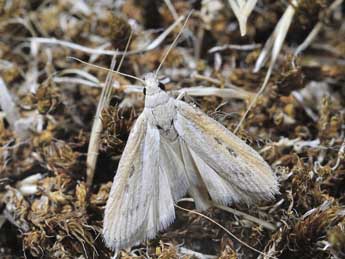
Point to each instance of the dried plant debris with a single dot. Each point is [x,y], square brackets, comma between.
[48,103]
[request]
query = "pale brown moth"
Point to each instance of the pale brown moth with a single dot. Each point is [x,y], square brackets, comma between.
[174,148]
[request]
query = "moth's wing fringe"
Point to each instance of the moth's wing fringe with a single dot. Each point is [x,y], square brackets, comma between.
[140,201]
[238,172]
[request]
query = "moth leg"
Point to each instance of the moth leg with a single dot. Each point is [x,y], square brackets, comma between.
[184,94]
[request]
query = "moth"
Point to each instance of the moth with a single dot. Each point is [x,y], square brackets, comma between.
[174,148]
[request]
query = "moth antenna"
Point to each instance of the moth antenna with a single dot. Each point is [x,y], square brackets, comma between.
[107,69]
[174,42]
[125,51]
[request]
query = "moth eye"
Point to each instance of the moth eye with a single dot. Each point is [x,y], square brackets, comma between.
[144,91]
[161,86]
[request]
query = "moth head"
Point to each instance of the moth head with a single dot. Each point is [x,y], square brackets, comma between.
[152,84]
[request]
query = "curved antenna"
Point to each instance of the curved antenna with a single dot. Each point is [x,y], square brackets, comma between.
[125,51]
[107,69]
[174,42]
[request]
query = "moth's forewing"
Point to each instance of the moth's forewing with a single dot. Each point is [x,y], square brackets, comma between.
[140,202]
[236,163]
[123,217]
